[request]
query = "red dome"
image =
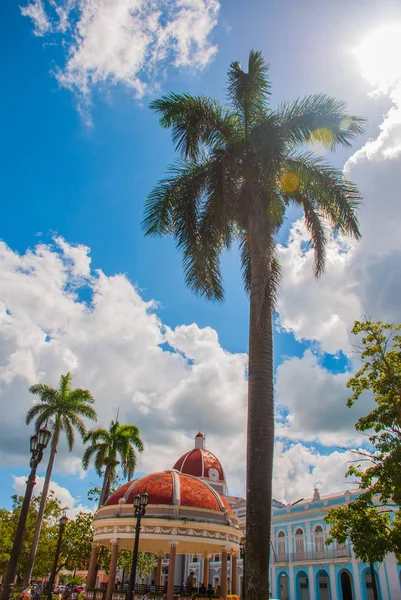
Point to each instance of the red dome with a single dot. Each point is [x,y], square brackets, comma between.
[171,488]
[200,463]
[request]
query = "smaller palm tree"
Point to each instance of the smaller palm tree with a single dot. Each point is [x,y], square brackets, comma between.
[61,410]
[106,446]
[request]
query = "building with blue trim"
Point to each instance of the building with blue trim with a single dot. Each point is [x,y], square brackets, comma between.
[302,566]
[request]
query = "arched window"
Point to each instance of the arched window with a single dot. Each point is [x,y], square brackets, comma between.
[319,541]
[281,550]
[299,542]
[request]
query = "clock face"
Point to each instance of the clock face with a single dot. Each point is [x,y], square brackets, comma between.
[213,474]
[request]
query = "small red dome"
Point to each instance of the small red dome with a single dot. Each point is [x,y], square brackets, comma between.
[200,463]
[172,488]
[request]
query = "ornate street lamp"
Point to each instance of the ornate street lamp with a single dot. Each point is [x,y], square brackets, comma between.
[38,443]
[140,503]
[63,522]
[242,553]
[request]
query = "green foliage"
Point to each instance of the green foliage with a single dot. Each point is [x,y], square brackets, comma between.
[241,168]
[77,542]
[373,521]
[381,376]
[106,446]
[61,409]
[145,564]
[47,539]
[367,528]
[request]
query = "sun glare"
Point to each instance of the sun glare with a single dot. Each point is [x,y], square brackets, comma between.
[379,57]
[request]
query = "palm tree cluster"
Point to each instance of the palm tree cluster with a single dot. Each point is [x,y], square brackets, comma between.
[241,167]
[63,410]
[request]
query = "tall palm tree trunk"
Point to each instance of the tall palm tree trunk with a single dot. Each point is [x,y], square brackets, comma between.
[93,566]
[104,494]
[260,438]
[39,519]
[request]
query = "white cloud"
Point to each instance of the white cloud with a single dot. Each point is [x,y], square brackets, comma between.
[65,497]
[315,400]
[129,42]
[35,10]
[168,381]
[298,470]
[361,278]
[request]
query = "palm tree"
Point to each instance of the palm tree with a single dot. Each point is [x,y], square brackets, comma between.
[106,446]
[61,409]
[241,166]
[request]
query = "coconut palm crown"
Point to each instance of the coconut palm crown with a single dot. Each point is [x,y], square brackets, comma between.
[241,166]
[106,446]
[62,409]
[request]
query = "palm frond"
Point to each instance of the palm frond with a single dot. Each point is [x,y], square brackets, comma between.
[81,396]
[69,432]
[315,226]
[245,262]
[319,118]
[34,411]
[74,419]
[87,456]
[249,92]
[45,392]
[65,384]
[337,198]
[94,435]
[194,121]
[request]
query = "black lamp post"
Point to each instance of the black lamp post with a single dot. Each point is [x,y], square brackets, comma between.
[63,523]
[38,443]
[242,553]
[140,503]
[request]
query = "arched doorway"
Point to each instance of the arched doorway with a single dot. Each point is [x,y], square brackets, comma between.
[322,585]
[283,586]
[302,586]
[346,587]
[368,584]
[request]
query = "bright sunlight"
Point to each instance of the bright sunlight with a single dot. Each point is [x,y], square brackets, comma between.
[379,57]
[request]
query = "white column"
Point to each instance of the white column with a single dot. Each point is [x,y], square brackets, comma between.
[392,572]
[292,583]
[273,583]
[311,578]
[356,579]
[308,539]
[383,583]
[333,582]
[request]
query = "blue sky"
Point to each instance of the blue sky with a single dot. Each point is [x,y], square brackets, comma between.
[87,183]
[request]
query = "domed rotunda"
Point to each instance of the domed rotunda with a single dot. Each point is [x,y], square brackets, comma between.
[185,515]
[203,464]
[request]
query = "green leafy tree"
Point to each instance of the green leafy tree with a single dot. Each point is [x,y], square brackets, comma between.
[116,446]
[62,410]
[368,530]
[373,521]
[77,542]
[242,166]
[145,564]
[6,537]
[380,376]
[48,535]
